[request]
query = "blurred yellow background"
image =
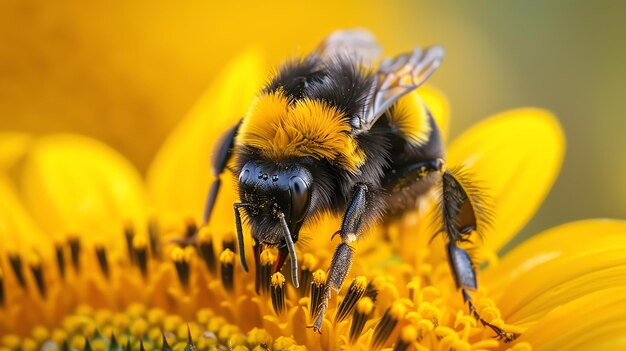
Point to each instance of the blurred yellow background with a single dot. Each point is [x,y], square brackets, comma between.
[126,72]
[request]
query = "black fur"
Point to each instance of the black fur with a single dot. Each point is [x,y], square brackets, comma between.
[341,82]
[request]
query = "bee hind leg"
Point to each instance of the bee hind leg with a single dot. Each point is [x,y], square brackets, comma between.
[459,219]
[342,259]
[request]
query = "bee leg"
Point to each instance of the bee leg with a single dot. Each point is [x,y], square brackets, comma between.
[221,156]
[342,259]
[459,220]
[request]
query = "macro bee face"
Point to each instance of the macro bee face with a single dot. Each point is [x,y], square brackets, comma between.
[270,190]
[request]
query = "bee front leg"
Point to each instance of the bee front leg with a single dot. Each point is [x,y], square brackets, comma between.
[342,259]
[221,155]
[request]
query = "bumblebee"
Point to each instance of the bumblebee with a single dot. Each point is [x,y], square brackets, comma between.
[330,133]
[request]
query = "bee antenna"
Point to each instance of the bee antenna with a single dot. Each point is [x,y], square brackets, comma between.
[292,250]
[240,243]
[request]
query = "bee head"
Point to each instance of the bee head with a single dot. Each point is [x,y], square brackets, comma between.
[270,189]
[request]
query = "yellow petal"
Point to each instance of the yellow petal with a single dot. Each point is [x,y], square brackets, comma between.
[180,175]
[76,184]
[558,266]
[592,322]
[18,231]
[438,106]
[13,146]
[516,155]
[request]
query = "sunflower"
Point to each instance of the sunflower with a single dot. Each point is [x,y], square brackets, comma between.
[90,256]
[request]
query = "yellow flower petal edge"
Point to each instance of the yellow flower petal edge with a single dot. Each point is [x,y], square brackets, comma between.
[13,146]
[439,107]
[78,185]
[592,322]
[516,156]
[558,266]
[180,174]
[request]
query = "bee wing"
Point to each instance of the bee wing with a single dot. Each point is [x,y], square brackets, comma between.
[397,77]
[353,42]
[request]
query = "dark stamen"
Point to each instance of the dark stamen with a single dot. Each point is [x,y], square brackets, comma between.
[306,274]
[413,286]
[60,254]
[37,271]
[181,262]
[373,287]
[227,258]
[191,229]
[140,252]
[129,233]
[355,291]
[190,346]
[87,345]
[277,291]
[102,260]
[164,345]
[228,242]
[407,337]
[265,273]
[153,235]
[113,344]
[74,244]
[16,265]
[317,291]
[205,248]
[362,313]
[386,325]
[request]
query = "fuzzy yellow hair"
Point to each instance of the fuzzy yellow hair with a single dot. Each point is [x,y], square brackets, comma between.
[409,116]
[307,128]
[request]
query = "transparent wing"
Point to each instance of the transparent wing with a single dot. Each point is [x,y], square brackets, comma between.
[397,77]
[354,42]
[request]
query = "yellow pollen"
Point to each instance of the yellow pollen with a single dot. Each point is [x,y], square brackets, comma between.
[227,257]
[58,336]
[204,315]
[139,327]
[319,277]
[178,255]
[398,310]
[34,260]
[284,343]
[360,282]
[487,309]
[40,334]
[408,334]
[11,341]
[204,234]
[258,336]
[278,279]
[429,312]
[308,261]
[267,257]
[365,306]
[140,242]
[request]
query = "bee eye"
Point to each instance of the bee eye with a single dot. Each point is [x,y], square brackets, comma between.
[299,197]
[243,176]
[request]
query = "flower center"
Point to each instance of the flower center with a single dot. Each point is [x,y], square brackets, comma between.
[195,281]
